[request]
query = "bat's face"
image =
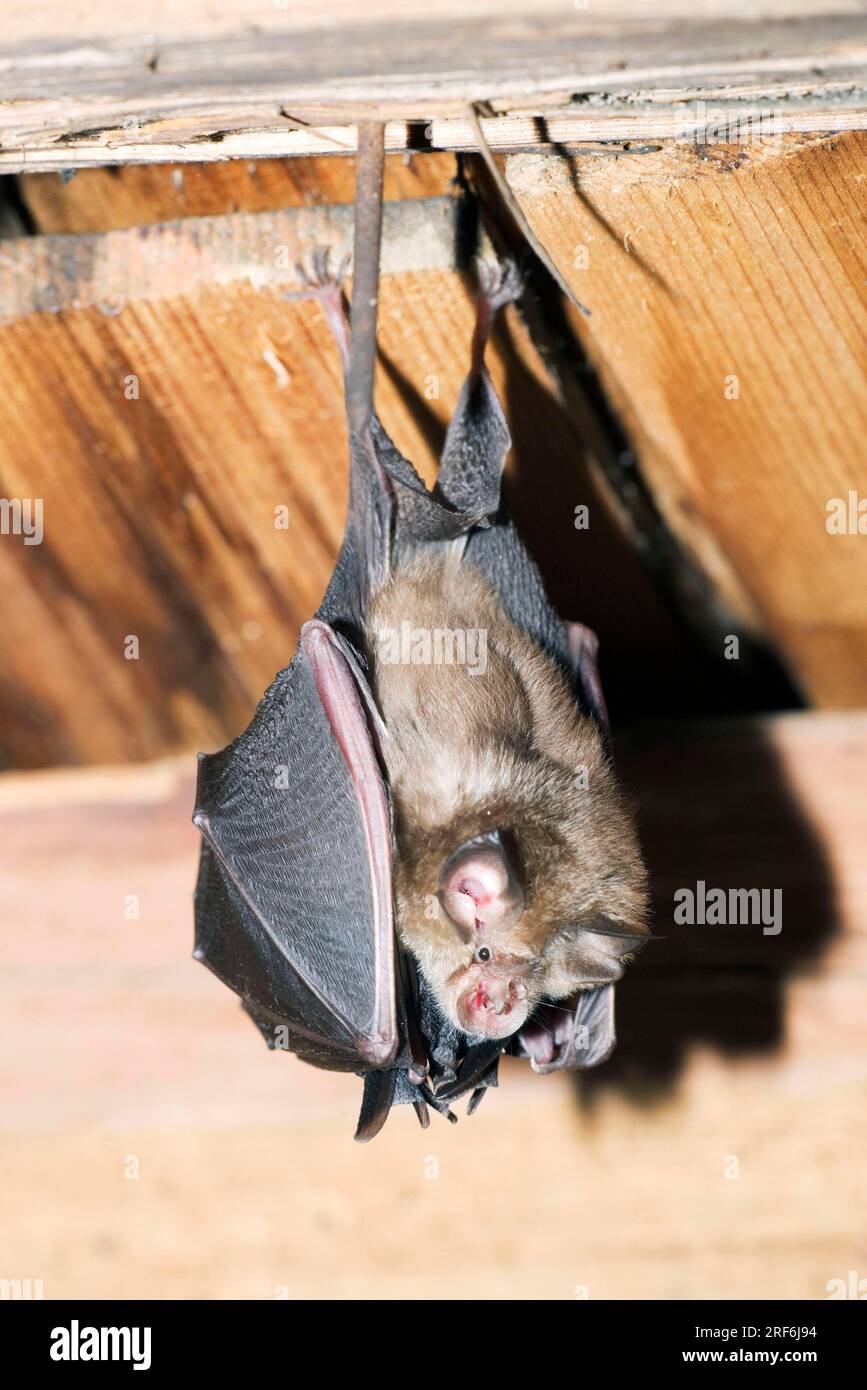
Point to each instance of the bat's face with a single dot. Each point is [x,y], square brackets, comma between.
[518,876]
[481,896]
[546,903]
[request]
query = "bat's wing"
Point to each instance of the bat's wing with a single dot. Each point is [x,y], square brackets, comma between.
[294,907]
[390,508]
[470,477]
[392,513]
[294,899]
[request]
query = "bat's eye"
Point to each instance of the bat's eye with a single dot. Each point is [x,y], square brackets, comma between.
[484,953]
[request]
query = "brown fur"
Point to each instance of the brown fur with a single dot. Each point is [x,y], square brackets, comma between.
[501,750]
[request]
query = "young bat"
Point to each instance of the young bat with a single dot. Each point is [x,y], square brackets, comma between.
[417,857]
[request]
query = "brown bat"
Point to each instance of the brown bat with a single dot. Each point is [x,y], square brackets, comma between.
[417,856]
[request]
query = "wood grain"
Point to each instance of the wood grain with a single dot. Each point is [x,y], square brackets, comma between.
[206,88]
[735,269]
[159,508]
[160,512]
[133,195]
[115,1044]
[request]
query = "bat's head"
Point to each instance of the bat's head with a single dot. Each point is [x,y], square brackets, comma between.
[518,877]
[483,900]
[549,901]
[513,956]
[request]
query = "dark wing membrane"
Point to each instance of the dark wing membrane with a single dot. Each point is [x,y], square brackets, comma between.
[421,515]
[475,449]
[470,474]
[294,900]
[390,512]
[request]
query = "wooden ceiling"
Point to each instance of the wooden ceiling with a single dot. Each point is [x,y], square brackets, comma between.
[163,396]
[729,328]
[159,496]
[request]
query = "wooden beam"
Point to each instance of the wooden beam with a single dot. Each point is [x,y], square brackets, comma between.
[261,250]
[181,398]
[136,195]
[733,1046]
[72,97]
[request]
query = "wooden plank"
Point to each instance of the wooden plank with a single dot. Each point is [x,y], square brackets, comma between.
[88,19]
[551,75]
[729,322]
[734,1046]
[48,274]
[135,195]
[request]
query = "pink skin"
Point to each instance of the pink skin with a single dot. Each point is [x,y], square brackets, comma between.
[479,891]
[491,1000]
[483,898]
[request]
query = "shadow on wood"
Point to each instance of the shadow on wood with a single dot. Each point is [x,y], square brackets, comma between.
[722,810]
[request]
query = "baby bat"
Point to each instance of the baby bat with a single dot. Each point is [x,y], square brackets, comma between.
[417,858]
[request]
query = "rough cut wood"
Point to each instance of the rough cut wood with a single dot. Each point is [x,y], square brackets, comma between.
[728,289]
[101,200]
[94,88]
[159,509]
[723,1156]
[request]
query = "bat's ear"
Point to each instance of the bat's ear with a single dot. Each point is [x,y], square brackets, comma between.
[606,944]
[594,952]
[573,1035]
[479,883]
[583,647]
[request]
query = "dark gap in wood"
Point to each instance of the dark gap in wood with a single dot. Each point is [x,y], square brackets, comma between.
[16,219]
[692,677]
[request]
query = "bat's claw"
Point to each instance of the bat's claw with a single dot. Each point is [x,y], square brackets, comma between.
[317,276]
[320,282]
[476,1099]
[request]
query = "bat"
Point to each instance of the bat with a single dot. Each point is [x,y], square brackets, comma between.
[417,858]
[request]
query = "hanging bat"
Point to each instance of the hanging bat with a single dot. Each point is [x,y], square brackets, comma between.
[417,858]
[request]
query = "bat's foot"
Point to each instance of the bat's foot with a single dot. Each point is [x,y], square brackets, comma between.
[318,274]
[500,283]
[320,282]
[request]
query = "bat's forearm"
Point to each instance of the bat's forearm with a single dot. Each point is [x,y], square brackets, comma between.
[365,274]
